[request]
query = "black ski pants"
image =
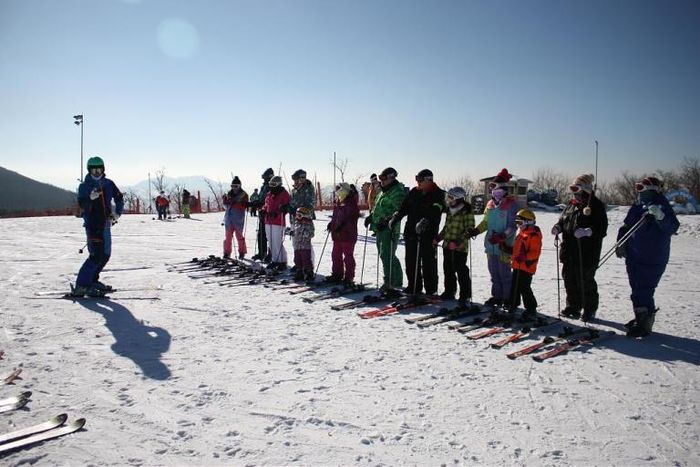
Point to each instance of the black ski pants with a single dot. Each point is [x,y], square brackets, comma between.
[454,266]
[427,269]
[521,286]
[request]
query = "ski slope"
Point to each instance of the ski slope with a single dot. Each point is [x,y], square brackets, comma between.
[211,375]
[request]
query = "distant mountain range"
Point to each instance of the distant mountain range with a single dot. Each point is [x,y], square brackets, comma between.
[22,194]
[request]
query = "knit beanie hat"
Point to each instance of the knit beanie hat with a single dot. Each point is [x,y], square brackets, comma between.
[236,181]
[584,182]
[388,172]
[502,177]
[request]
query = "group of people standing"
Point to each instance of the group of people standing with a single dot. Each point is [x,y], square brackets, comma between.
[512,240]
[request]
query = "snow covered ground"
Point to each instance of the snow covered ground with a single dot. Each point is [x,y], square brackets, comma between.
[245,375]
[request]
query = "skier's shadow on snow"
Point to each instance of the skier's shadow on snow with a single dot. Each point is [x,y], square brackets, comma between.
[134,340]
[658,346]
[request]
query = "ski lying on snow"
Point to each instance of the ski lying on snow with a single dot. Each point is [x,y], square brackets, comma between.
[79,299]
[15,402]
[12,376]
[566,333]
[49,430]
[570,344]
[449,315]
[127,289]
[51,423]
[336,292]
[396,307]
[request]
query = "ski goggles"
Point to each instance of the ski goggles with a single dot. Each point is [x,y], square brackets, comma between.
[578,188]
[644,185]
[424,179]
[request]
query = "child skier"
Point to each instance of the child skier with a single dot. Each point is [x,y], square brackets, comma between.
[343,229]
[526,253]
[455,238]
[303,232]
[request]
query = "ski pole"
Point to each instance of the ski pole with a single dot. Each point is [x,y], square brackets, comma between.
[415,272]
[80,250]
[580,271]
[364,252]
[320,257]
[622,241]
[556,248]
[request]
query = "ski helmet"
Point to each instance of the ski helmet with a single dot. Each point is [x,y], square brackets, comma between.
[342,190]
[457,193]
[95,162]
[525,214]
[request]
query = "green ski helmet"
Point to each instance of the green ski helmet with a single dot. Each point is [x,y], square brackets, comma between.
[95,162]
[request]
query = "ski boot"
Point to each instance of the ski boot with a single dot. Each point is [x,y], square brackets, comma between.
[528,315]
[643,322]
[588,316]
[571,313]
[79,291]
[493,302]
[101,286]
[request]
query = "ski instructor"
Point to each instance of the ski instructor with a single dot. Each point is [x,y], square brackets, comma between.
[95,196]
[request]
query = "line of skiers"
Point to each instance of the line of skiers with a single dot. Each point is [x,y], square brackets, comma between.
[512,240]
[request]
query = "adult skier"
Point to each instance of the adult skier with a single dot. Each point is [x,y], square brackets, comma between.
[423,208]
[343,229]
[646,252]
[303,194]
[162,203]
[388,202]
[276,204]
[235,201]
[583,224]
[499,225]
[186,204]
[95,196]
[263,254]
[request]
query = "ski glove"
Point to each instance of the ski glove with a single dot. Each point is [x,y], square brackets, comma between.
[473,232]
[621,251]
[422,226]
[556,230]
[328,227]
[114,218]
[368,220]
[582,232]
[656,212]
[94,194]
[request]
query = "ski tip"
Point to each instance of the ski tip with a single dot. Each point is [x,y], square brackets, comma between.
[59,419]
[78,423]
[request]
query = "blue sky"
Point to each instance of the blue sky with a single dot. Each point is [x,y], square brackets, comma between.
[211,87]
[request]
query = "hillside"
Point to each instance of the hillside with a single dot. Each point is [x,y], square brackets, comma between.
[19,193]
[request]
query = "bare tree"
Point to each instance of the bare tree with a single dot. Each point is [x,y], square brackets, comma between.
[622,190]
[341,165]
[158,181]
[690,175]
[217,193]
[546,179]
[176,192]
[132,200]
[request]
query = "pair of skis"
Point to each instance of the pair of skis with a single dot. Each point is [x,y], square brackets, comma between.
[15,402]
[443,315]
[565,341]
[50,429]
[395,307]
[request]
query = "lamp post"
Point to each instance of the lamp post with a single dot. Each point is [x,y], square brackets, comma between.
[79,121]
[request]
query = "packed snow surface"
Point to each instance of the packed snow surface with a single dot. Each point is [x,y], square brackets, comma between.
[247,375]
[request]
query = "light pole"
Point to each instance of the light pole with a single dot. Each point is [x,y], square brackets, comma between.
[79,121]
